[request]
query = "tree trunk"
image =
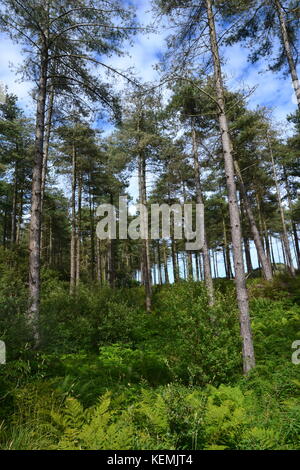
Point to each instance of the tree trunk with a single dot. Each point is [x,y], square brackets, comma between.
[227,260]
[46,142]
[248,255]
[189,266]
[264,260]
[288,50]
[92,230]
[20,217]
[159,264]
[240,281]
[197,267]
[267,242]
[50,258]
[207,268]
[98,255]
[35,219]
[286,243]
[296,240]
[201,262]
[165,262]
[73,216]
[294,227]
[78,231]
[146,267]
[5,222]
[272,250]
[14,206]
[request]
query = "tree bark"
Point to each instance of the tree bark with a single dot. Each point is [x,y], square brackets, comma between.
[146,267]
[111,262]
[248,255]
[294,226]
[286,243]
[35,219]
[165,262]
[288,50]
[78,232]
[159,264]
[240,281]
[73,216]
[20,217]
[264,260]
[207,267]
[14,206]
[227,260]
[46,143]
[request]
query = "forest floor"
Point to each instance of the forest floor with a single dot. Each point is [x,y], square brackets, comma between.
[110,376]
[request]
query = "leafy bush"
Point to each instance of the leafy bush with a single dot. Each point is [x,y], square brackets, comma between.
[169,380]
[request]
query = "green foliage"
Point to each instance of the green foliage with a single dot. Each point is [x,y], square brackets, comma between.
[169,380]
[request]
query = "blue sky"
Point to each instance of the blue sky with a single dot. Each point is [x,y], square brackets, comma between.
[273,90]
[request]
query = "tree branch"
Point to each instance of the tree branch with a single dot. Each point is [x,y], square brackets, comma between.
[91,59]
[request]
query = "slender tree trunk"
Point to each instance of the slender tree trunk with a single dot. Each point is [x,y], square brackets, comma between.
[228,267]
[20,217]
[213,263]
[165,262]
[189,266]
[260,223]
[296,240]
[159,264]
[288,50]
[5,223]
[294,226]
[201,263]
[240,281]
[73,216]
[78,231]
[184,266]
[267,242]
[46,142]
[286,243]
[50,261]
[272,250]
[35,219]
[225,263]
[154,271]
[264,260]
[248,255]
[146,267]
[111,262]
[278,251]
[207,268]
[177,260]
[197,267]
[92,230]
[14,206]
[98,254]
[174,260]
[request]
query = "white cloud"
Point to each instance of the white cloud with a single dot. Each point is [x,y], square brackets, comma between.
[11,59]
[272,90]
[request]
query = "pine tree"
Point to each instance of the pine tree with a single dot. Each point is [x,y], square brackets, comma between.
[63,40]
[198,19]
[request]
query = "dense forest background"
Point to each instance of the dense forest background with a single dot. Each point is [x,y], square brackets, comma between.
[141,344]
